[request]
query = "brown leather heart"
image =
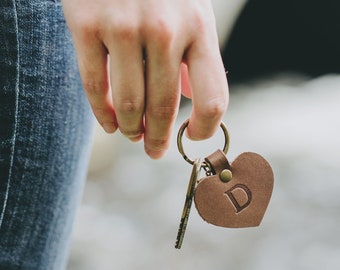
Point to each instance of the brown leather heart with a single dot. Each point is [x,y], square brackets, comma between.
[241,202]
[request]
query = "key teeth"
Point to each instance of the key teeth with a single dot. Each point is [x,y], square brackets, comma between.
[178,244]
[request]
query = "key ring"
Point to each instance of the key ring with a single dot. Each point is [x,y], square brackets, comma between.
[180,144]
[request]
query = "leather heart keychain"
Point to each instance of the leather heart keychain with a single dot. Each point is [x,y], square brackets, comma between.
[235,195]
[232,195]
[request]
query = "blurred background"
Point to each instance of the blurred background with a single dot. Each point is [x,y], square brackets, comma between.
[282,59]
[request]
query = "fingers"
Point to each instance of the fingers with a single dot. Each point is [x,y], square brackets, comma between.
[163,95]
[209,91]
[208,82]
[92,59]
[146,93]
[127,83]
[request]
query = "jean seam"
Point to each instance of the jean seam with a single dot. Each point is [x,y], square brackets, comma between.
[2,213]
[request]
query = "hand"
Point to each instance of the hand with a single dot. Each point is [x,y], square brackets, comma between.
[133,56]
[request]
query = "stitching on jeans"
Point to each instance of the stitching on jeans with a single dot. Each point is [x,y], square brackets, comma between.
[2,213]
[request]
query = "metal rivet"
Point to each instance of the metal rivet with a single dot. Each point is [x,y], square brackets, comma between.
[226,175]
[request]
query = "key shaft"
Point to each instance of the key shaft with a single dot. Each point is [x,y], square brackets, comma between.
[188,202]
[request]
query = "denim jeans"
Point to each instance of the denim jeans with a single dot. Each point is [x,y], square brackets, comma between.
[45,135]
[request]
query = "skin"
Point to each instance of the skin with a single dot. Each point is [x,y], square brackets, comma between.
[136,57]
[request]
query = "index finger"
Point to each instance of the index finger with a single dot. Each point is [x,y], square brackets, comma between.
[210,93]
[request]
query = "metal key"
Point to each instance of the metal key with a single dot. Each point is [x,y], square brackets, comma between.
[188,201]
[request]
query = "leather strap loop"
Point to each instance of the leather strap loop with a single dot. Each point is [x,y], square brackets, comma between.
[217,162]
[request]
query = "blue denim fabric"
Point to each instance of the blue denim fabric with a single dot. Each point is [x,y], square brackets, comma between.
[45,131]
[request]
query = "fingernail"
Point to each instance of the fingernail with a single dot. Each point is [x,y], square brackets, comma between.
[136,138]
[133,136]
[154,154]
[109,127]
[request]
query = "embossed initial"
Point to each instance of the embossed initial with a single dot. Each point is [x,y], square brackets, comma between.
[240,196]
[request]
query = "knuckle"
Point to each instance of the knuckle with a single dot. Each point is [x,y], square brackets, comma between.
[124,30]
[198,17]
[203,21]
[161,31]
[127,106]
[213,109]
[94,88]
[86,23]
[165,112]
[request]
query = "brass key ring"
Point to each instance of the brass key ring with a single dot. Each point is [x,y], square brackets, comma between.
[180,145]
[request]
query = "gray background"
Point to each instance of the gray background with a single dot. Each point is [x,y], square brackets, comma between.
[132,205]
